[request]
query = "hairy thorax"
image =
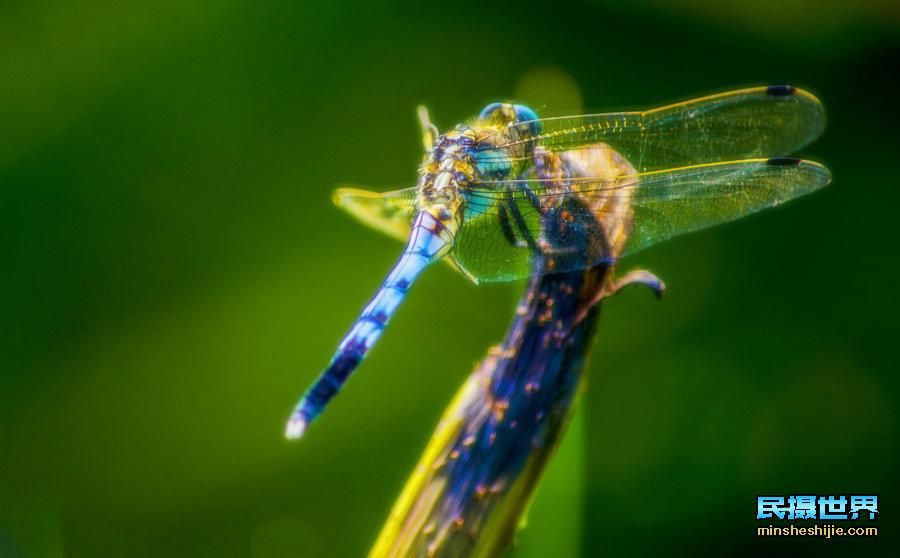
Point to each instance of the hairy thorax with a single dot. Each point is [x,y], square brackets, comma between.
[448,170]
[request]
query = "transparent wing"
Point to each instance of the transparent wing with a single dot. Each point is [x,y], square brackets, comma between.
[574,225]
[390,212]
[742,124]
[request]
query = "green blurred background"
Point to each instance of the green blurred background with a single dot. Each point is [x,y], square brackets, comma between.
[173,276]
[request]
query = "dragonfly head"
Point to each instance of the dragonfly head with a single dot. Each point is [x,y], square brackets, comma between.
[501,115]
[505,124]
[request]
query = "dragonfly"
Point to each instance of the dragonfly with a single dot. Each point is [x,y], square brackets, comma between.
[507,195]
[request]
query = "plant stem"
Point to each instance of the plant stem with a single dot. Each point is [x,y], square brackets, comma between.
[484,461]
[472,486]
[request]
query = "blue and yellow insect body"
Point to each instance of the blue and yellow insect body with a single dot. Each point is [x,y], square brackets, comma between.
[507,190]
[441,197]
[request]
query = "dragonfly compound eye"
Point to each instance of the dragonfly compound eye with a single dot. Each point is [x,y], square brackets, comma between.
[525,114]
[499,114]
[488,111]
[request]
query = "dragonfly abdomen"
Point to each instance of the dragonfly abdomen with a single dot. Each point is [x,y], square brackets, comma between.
[429,240]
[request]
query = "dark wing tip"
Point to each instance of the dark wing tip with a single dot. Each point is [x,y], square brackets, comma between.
[782,161]
[780,90]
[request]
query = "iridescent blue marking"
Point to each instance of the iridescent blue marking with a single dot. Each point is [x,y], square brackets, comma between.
[493,163]
[428,241]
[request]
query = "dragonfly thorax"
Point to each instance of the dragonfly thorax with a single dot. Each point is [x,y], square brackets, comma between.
[448,170]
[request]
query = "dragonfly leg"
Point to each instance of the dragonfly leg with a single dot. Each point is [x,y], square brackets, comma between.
[533,199]
[522,227]
[506,227]
[529,192]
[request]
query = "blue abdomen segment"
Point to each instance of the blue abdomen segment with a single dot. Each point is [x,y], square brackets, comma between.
[428,241]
